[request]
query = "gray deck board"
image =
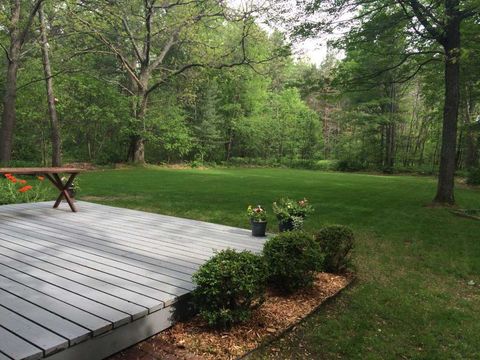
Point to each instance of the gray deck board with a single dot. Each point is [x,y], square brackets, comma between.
[104,271]
[106,244]
[31,332]
[84,285]
[4,357]
[102,277]
[72,332]
[119,258]
[94,324]
[17,348]
[81,301]
[79,284]
[66,250]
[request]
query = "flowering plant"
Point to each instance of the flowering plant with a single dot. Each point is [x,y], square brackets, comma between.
[14,190]
[295,212]
[75,186]
[257,214]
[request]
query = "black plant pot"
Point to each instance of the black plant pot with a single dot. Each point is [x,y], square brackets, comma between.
[71,191]
[259,228]
[285,225]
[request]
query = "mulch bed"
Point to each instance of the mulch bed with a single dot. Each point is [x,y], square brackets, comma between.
[192,340]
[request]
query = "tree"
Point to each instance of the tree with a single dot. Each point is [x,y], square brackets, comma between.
[430,25]
[52,110]
[155,42]
[18,28]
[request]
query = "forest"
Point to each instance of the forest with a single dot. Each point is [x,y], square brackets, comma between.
[209,82]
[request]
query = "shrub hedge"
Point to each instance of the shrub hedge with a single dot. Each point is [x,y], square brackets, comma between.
[229,286]
[336,243]
[291,259]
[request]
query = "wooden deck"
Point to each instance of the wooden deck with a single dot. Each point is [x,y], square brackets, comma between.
[86,285]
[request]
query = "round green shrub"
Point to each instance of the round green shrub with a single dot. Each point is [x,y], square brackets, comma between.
[229,286]
[292,258]
[336,242]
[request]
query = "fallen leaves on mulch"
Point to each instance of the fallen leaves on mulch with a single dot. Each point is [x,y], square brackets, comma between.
[193,340]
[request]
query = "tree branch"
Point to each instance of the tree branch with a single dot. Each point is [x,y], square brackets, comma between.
[7,54]
[132,40]
[29,22]
[422,17]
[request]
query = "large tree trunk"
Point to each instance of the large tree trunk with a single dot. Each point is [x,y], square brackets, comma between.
[445,189]
[136,153]
[9,99]
[55,128]
[9,113]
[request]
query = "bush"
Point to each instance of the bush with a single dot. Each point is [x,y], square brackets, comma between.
[326,165]
[229,286]
[336,242]
[292,258]
[473,176]
[350,166]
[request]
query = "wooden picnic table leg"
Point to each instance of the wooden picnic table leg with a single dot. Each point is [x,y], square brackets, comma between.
[57,182]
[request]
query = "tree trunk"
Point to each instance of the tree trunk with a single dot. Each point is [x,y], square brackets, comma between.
[55,129]
[9,99]
[136,153]
[471,151]
[445,189]
[9,113]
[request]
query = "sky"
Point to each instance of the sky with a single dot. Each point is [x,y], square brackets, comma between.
[313,50]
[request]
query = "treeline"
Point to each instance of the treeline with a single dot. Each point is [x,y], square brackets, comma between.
[174,81]
[147,81]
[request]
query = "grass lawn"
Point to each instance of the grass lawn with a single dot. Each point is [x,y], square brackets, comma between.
[411,300]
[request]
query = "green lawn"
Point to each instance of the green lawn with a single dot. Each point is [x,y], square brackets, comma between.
[411,300]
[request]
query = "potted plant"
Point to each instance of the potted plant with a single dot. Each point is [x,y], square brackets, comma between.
[258,220]
[73,189]
[291,214]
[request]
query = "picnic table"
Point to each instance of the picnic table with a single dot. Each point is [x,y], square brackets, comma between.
[52,174]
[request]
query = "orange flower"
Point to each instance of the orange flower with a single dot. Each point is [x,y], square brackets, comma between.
[41,178]
[23,182]
[25,189]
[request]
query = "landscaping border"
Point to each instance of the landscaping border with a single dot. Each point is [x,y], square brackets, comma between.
[353,280]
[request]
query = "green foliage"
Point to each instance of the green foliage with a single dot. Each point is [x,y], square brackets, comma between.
[336,243]
[10,192]
[473,176]
[350,165]
[257,213]
[292,258]
[229,286]
[287,210]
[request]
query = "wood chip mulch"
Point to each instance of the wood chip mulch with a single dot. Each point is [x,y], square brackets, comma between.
[192,340]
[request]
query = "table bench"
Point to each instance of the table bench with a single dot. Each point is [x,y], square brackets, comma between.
[52,174]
